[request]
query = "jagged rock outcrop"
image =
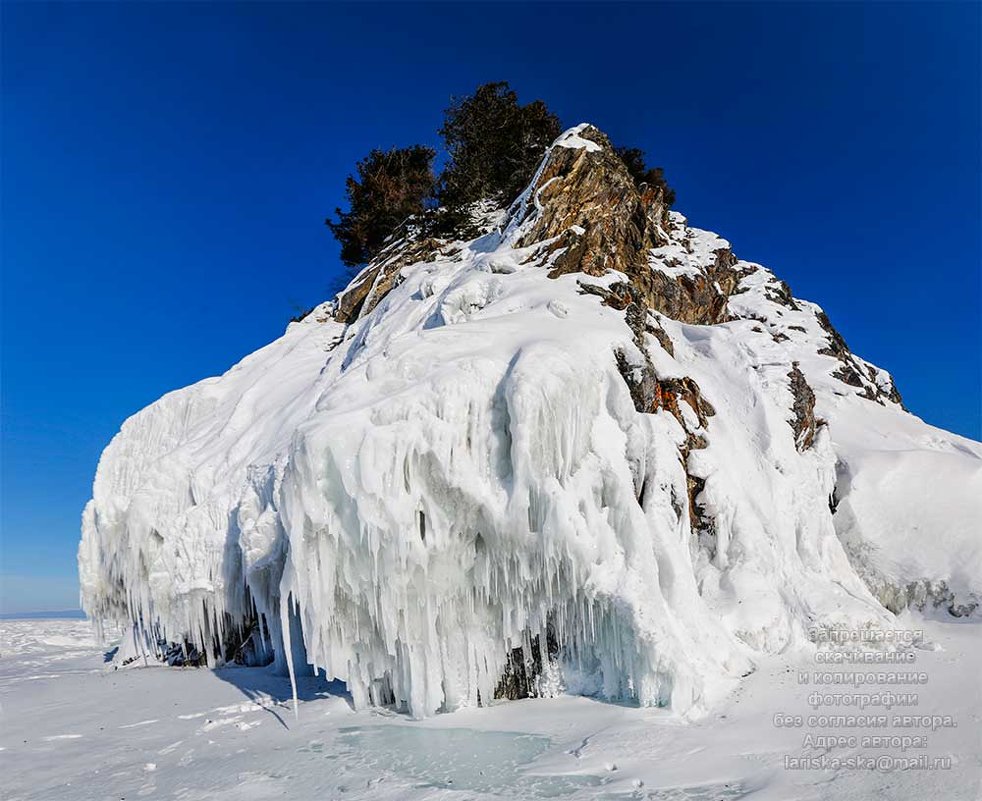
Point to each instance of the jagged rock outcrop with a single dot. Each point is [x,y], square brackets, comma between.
[587,216]
[593,219]
[588,212]
[803,423]
[875,385]
[378,279]
[583,214]
[532,670]
[589,448]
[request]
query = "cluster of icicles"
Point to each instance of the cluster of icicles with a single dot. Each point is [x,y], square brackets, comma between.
[404,501]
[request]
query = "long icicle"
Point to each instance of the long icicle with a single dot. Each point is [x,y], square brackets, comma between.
[285,602]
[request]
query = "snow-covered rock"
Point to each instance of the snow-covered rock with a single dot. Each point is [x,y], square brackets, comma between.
[592,441]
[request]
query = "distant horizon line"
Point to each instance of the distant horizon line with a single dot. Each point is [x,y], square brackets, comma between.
[53,614]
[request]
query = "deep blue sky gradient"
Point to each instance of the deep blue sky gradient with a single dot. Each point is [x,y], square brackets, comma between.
[167,169]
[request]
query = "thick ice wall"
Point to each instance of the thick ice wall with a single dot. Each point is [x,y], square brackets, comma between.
[439,494]
[168,536]
[460,515]
[478,486]
[443,487]
[462,469]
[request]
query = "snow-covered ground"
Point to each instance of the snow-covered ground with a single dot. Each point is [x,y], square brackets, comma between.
[72,727]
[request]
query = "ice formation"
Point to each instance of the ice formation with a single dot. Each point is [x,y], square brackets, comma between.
[473,450]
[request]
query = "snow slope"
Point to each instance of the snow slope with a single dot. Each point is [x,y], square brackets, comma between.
[462,469]
[908,495]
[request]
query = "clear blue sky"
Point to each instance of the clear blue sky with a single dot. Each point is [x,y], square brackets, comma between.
[167,168]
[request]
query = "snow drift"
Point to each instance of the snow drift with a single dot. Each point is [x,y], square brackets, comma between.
[590,440]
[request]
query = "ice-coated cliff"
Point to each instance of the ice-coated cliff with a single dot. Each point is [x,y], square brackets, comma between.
[592,433]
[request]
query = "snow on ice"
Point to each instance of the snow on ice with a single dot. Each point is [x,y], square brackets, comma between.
[404,499]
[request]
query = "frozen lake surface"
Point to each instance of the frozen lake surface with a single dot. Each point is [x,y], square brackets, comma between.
[73,728]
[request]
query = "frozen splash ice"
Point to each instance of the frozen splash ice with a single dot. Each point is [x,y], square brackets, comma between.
[405,499]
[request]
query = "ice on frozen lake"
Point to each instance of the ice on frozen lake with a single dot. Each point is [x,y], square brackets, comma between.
[404,498]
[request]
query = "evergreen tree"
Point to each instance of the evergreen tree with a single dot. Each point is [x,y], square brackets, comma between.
[494,144]
[390,186]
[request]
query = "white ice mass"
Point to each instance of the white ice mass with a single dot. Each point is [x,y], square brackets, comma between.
[457,466]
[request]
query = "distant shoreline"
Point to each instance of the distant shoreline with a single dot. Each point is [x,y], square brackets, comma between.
[74,614]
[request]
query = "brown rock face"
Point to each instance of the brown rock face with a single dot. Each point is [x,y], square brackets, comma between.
[691,300]
[590,190]
[804,423]
[351,300]
[525,665]
[594,219]
[362,296]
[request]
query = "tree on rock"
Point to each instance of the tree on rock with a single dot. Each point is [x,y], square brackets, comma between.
[633,159]
[390,186]
[494,144]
